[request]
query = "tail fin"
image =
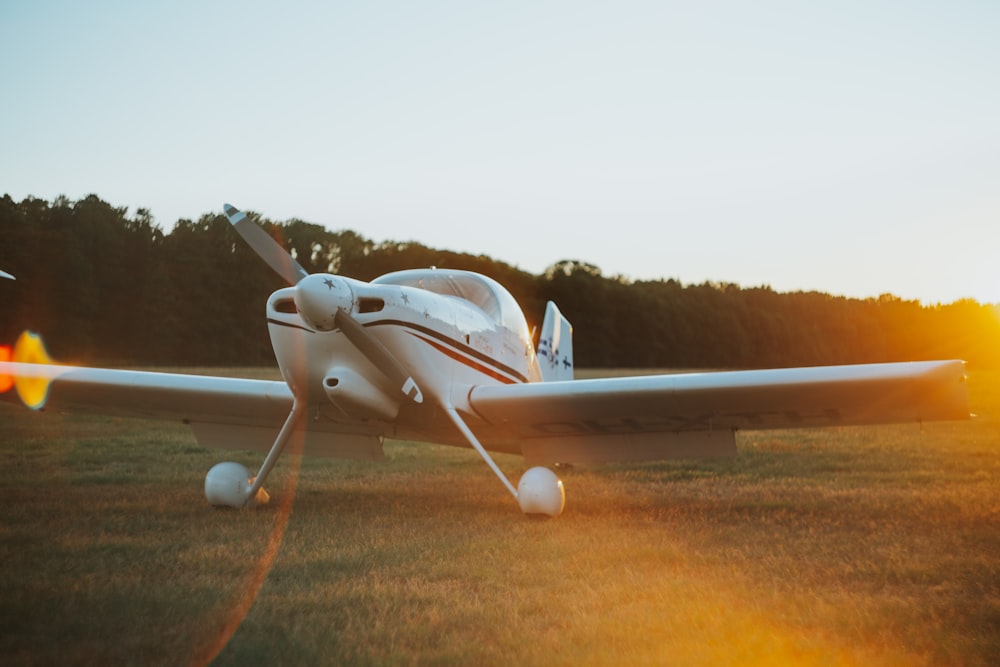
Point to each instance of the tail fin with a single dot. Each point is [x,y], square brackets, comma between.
[555,346]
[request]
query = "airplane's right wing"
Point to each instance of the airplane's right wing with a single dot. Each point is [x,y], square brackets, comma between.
[226,412]
[696,414]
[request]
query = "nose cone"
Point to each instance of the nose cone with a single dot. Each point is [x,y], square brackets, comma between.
[319,296]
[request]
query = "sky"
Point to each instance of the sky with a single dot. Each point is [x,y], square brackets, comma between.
[850,147]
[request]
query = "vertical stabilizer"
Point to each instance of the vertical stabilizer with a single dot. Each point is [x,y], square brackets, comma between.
[555,346]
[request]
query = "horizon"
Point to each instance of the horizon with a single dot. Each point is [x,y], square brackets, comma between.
[540,272]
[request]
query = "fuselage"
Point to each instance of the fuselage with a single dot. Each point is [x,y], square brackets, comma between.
[451,330]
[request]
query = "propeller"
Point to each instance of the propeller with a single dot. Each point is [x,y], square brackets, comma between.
[324,301]
[379,355]
[266,247]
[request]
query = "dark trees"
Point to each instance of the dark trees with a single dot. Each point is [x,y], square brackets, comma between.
[104,286]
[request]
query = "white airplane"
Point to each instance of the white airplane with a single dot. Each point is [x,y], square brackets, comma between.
[446,356]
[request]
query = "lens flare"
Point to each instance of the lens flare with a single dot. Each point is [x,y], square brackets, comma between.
[6,381]
[29,349]
[206,653]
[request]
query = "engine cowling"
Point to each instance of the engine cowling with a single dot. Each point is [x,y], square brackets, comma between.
[358,396]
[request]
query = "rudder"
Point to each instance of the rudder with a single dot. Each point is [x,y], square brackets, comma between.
[555,346]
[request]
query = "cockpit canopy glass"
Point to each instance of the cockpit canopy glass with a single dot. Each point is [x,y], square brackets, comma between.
[485,293]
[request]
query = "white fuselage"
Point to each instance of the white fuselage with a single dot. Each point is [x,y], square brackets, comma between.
[451,330]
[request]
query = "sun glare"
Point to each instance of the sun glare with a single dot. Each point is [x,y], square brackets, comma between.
[29,349]
[6,381]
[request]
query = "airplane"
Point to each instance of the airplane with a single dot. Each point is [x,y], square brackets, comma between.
[446,356]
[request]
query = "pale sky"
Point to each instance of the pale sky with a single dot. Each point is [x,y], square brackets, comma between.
[847,147]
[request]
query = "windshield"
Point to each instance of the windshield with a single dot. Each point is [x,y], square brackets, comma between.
[485,293]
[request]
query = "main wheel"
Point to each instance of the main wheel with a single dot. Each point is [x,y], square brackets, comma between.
[227,485]
[540,491]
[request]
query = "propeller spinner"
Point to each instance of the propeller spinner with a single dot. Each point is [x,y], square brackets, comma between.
[320,297]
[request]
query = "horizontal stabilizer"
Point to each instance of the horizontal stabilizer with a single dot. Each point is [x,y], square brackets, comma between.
[316,443]
[632,447]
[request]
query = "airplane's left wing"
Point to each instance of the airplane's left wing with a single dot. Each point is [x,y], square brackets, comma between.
[694,415]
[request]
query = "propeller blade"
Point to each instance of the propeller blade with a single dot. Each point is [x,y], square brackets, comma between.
[378,354]
[266,247]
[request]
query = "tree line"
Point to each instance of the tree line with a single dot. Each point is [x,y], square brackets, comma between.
[104,286]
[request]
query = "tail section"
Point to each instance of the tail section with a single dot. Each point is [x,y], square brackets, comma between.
[555,346]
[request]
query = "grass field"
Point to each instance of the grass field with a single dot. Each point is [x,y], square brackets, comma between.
[853,546]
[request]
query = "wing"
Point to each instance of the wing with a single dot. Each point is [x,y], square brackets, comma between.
[696,414]
[172,396]
[233,413]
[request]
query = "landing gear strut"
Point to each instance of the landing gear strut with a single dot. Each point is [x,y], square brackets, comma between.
[230,485]
[540,491]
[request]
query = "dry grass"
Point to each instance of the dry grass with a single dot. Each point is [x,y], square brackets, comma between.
[874,546]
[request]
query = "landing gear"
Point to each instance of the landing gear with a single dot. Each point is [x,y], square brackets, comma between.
[230,484]
[540,491]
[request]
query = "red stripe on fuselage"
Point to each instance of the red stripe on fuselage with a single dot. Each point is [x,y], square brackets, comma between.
[454,354]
